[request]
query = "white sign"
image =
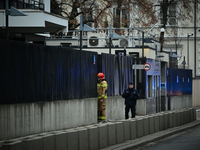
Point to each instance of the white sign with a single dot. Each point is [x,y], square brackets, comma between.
[137,67]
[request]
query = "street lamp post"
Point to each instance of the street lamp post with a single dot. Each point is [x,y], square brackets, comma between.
[7,13]
[142,44]
[162,31]
[188,35]
[110,39]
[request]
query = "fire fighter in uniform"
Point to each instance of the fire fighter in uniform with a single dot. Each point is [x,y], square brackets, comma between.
[102,96]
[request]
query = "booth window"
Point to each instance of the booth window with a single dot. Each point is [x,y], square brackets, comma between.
[150,86]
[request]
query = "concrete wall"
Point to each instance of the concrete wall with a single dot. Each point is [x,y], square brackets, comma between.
[18,120]
[115,108]
[181,101]
[195,92]
[24,119]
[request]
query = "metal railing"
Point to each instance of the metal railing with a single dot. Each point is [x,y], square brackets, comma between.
[23,4]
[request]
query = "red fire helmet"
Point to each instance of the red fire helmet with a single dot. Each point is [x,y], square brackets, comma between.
[100,75]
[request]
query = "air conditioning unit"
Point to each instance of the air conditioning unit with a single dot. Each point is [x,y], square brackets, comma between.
[126,43]
[96,40]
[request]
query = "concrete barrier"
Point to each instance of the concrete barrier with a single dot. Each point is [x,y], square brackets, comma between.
[171,120]
[140,127]
[146,125]
[1,145]
[195,114]
[119,132]
[93,135]
[178,119]
[175,118]
[12,145]
[151,124]
[161,121]
[193,119]
[72,139]
[111,134]
[166,118]
[126,128]
[33,143]
[60,140]
[82,138]
[99,136]
[103,135]
[156,122]
[47,141]
[192,114]
[181,117]
[187,116]
[133,130]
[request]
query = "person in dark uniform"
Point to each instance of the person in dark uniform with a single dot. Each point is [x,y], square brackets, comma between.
[131,95]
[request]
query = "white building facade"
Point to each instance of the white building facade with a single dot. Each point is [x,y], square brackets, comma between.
[38,22]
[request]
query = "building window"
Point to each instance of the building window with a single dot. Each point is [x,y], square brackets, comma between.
[171,14]
[124,17]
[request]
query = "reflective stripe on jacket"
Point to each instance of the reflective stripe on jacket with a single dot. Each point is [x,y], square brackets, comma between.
[101,89]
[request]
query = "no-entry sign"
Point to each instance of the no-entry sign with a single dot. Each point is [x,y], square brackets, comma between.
[147,66]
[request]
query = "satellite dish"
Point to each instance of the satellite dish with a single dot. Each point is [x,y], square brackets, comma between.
[94,41]
[123,43]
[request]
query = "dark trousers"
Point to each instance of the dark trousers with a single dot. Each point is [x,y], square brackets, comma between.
[127,108]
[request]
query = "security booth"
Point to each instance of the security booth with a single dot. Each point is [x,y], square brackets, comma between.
[150,81]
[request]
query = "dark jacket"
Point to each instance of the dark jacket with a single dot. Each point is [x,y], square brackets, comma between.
[131,96]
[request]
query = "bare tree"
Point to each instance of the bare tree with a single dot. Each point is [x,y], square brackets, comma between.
[173,11]
[97,11]
[93,11]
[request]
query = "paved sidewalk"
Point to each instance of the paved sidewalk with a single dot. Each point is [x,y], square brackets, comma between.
[131,144]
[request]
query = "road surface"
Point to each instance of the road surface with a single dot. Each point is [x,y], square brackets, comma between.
[188,140]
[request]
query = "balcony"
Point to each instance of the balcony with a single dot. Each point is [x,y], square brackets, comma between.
[23,4]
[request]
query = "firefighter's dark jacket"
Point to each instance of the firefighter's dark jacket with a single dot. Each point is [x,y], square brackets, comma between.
[131,96]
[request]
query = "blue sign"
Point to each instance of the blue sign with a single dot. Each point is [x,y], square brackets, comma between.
[94,59]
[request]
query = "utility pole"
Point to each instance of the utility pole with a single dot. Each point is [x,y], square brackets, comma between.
[142,44]
[110,39]
[7,14]
[195,35]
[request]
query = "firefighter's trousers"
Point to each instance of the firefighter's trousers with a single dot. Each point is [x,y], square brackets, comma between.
[102,109]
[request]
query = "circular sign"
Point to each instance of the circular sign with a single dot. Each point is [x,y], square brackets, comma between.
[147,66]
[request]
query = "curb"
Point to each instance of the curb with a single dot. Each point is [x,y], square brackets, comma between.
[132,144]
